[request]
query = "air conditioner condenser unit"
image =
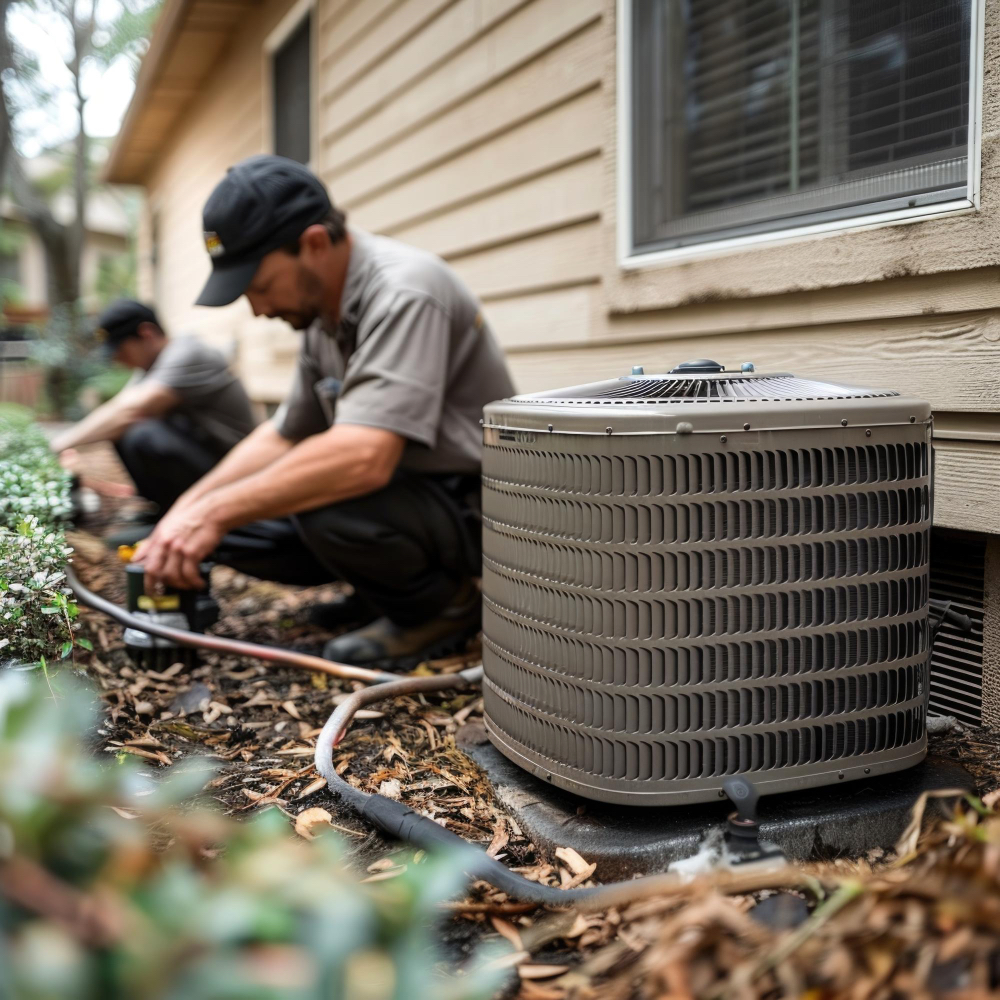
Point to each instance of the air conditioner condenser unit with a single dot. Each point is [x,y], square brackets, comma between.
[706,573]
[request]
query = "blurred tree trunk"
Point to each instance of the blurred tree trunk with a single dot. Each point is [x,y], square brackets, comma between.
[62,243]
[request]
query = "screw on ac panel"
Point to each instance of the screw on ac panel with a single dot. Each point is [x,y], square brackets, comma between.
[746,427]
[868,433]
[607,430]
[723,439]
[722,794]
[843,423]
[840,775]
[913,420]
[550,427]
[868,770]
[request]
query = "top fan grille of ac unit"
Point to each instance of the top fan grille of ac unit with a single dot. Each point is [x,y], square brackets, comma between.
[700,389]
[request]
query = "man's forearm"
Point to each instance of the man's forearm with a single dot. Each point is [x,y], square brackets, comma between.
[106,423]
[261,448]
[338,465]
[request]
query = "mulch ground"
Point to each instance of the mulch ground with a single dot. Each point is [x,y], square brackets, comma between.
[929,927]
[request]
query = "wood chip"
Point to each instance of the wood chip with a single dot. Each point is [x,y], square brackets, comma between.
[526,971]
[572,860]
[289,707]
[312,788]
[160,757]
[382,876]
[507,930]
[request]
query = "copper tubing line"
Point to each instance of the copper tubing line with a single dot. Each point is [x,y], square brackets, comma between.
[218,643]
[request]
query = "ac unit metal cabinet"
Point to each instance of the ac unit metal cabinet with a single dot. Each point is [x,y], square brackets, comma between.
[706,573]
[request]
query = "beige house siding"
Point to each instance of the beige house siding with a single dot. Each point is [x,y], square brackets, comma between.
[486,130]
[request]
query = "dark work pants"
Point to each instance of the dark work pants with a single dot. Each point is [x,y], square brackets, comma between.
[406,548]
[164,458]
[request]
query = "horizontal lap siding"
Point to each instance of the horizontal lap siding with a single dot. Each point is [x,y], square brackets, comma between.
[474,128]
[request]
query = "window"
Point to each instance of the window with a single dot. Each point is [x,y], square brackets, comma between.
[290,70]
[749,116]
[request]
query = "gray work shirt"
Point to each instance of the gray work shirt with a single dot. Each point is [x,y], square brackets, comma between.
[411,354]
[212,398]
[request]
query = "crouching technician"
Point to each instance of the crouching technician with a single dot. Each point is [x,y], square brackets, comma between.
[181,411]
[375,454]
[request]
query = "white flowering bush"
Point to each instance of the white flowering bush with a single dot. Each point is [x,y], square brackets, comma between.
[31,480]
[37,618]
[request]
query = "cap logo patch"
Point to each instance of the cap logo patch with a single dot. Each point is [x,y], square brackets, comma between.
[214,245]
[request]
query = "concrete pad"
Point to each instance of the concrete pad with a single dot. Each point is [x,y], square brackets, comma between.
[839,821]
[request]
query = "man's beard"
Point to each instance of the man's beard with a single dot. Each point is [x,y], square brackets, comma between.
[300,320]
[310,291]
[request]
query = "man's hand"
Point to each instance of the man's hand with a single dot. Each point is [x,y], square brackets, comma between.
[180,542]
[71,460]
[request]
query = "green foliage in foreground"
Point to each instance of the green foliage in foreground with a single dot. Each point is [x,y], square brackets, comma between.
[108,891]
[36,614]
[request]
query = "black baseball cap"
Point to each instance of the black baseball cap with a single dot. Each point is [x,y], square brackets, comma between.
[263,203]
[120,320]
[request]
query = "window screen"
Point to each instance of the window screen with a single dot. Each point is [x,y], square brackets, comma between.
[291,94]
[756,115]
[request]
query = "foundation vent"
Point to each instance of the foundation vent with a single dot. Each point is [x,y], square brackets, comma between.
[676,594]
[957,575]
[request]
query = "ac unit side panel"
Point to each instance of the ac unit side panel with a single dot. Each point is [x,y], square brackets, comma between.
[665,609]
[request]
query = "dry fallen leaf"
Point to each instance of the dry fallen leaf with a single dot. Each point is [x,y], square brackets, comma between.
[391,789]
[309,818]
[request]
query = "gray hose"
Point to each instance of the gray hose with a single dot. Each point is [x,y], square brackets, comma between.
[400,821]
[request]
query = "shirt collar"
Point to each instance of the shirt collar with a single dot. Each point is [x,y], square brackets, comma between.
[358,268]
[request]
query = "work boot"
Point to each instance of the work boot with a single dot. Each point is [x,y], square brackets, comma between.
[384,645]
[344,611]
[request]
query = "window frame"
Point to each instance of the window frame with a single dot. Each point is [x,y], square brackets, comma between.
[631,258]
[290,22]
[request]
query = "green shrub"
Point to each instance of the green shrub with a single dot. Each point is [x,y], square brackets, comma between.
[91,905]
[36,615]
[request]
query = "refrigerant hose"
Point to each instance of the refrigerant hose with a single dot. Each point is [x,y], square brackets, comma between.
[400,821]
[218,643]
